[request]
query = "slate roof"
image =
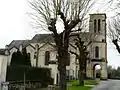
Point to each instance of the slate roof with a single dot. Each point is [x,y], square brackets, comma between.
[42,38]
[39,38]
[17,43]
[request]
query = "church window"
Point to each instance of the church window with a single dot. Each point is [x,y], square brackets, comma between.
[96,52]
[99,25]
[103,40]
[95,25]
[47,57]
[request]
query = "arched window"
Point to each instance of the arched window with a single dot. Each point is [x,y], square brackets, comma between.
[99,25]
[96,52]
[95,25]
[29,59]
[47,57]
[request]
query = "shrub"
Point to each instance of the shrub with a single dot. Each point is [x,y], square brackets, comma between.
[41,75]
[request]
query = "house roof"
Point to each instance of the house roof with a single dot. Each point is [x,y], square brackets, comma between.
[17,43]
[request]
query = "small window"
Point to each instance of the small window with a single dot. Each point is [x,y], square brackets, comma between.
[103,40]
[96,52]
[47,57]
[95,25]
[99,25]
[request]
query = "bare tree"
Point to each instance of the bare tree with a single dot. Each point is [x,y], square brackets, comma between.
[45,15]
[81,56]
[82,47]
[114,31]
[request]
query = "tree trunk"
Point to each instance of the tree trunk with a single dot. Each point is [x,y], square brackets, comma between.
[81,70]
[62,46]
[81,77]
[62,70]
[63,79]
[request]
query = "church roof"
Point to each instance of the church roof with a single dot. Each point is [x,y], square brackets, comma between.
[38,38]
[85,36]
[43,38]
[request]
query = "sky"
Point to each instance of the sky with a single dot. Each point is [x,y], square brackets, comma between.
[15,25]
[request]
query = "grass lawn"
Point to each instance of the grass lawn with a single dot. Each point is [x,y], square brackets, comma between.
[88,85]
[79,88]
[87,82]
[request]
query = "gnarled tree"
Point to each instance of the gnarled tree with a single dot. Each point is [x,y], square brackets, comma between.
[114,31]
[71,13]
[82,56]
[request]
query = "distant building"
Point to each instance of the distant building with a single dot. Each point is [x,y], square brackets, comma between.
[42,51]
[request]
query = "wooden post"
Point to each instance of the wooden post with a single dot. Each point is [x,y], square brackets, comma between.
[24,80]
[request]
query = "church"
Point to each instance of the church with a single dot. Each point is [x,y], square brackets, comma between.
[42,51]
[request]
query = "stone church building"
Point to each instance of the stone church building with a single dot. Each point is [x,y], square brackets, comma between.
[42,51]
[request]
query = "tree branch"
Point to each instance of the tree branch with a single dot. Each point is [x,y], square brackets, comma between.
[74,53]
[115,42]
[73,46]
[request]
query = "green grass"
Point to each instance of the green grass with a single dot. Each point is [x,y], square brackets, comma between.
[79,88]
[88,85]
[91,82]
[87,82]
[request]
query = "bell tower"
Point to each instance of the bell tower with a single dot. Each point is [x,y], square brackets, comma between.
[97,23]
[98,48]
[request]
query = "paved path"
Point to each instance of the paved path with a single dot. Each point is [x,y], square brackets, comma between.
[108,85]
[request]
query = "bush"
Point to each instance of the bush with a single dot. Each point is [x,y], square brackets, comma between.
[16,73]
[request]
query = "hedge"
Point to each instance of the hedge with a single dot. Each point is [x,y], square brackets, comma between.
[16,73]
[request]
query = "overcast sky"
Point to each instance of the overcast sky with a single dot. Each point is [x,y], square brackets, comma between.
[14,25]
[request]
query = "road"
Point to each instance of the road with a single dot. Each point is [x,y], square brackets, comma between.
[108,85]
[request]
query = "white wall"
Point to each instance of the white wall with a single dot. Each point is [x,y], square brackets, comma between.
[10,56]
[32,52]
[3,68]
